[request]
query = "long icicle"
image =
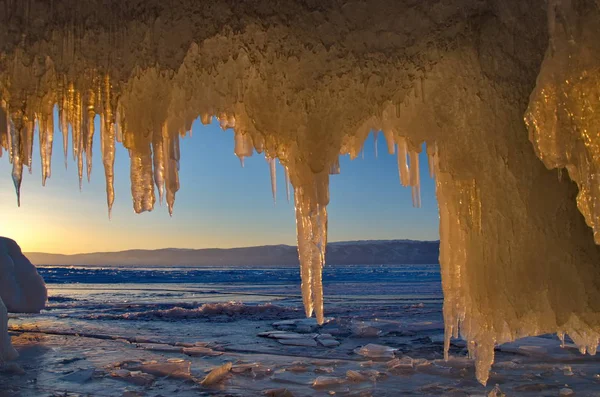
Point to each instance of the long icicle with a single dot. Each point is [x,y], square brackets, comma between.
[415,180]
[304,251]
[273,172]
[402,165]
[107,124]
[287,183]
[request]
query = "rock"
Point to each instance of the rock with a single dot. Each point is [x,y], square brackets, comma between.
[565,391]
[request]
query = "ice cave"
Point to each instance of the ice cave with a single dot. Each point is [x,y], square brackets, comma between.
[505,93]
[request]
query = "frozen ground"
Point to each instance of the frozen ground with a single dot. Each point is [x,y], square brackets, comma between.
[159,332]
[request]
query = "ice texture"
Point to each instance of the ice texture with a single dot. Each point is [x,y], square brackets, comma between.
[516,258]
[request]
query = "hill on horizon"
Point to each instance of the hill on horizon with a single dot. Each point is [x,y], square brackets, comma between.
[363,252]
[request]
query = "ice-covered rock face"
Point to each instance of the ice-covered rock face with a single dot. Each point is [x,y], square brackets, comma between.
[22,290]
[306,82]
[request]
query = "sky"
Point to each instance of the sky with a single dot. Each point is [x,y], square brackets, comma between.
[219,205]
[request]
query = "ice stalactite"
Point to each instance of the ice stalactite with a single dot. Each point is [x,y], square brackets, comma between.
[311,198]
[273,174]
[564,112]
[4,137]
[460,221]
[335,169]
[46,139]
[431,156]
[171,164]
[243,146]
[287,183]
[89,131]
[415,179]
[107,144]
[158,156]
[403,169]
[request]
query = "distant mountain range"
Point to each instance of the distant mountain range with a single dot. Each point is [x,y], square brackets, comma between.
[340,253]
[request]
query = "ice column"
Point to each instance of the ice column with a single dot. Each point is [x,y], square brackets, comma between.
[311,198]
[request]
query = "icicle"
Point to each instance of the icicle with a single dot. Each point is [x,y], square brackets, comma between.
[415,181]
[108,145]
[273,172]
[242,146]
[89,131]
[118,126]
[27,131]
[304,251]
[159,162]
[64,126]
[205,118]
[389,138]
[77,139]
[375,135]
[287,183]
[142,184]
[46,138]
[311,221]
[17,159]
[334,168]
[4,130]
[319,235]
[402,165]
[431,154]
[171,156]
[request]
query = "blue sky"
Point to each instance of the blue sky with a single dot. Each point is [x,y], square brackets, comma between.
[220,204]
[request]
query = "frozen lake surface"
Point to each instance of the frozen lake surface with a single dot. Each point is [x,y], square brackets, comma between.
[159,332]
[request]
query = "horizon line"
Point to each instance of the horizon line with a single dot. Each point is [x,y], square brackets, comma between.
[229,248]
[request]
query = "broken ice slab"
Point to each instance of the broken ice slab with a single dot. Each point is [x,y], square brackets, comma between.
[327,340]
[282,392]
[373,350]
[355,376]
[159,347]
[200,351]
[217,375]
[254,370]
[284,335]
[80,376]
[328,381]
[565,391]
[135,377]
[363,329]
[174,368]
[301,325]
[308,342]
